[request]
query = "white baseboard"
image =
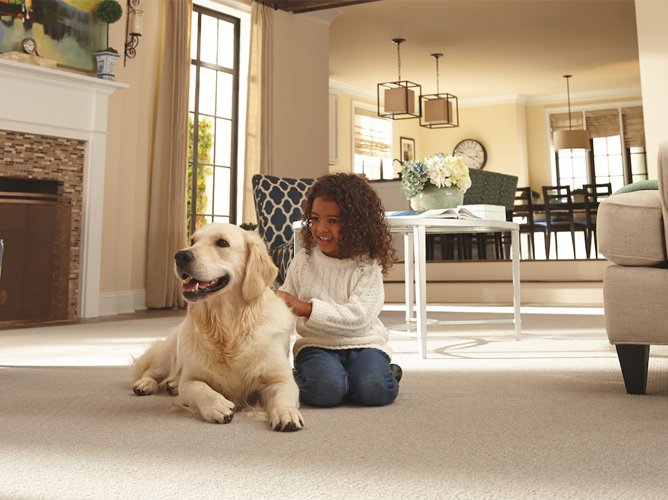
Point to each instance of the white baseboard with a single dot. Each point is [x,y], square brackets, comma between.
[114,303]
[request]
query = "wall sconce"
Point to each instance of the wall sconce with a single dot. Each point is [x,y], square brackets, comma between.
[133,28]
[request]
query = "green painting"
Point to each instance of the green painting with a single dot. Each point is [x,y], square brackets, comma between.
[65,31]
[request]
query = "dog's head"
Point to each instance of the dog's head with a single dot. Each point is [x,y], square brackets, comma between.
[221,258]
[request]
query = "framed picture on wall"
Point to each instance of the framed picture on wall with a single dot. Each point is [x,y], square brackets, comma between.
[66,32]
[407,147]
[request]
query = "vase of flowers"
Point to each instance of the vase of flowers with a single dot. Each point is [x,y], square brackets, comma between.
[438,181]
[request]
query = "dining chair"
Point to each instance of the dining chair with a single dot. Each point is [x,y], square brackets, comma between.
[593,193]
[559,217]
[524,215]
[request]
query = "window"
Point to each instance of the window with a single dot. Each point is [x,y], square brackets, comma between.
[372,149]
[617,152]
[213,119]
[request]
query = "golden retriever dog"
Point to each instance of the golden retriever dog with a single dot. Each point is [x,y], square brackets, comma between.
[231,350]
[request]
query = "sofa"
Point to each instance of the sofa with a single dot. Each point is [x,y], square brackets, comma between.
[631,227]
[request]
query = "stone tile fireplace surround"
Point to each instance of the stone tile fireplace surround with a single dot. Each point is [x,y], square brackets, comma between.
[44,104]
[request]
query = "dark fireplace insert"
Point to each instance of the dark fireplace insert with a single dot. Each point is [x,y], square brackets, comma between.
[35,258]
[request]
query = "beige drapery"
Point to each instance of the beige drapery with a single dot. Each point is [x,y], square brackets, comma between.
[258,121]
[167,206]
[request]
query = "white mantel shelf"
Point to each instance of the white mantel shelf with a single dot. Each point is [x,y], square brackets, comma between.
[60,103]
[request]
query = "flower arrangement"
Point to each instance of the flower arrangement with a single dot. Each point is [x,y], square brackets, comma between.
[439,170]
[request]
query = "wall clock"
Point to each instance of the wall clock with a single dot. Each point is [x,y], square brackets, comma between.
[472,152]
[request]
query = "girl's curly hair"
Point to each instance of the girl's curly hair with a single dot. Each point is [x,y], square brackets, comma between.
[364,230]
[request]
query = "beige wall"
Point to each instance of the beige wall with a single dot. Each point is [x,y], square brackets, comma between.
[498,127]
[128,159]
[301,89]
[651,16]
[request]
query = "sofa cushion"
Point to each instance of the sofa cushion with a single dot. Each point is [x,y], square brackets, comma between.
[639,186]
[630,229]
[634,299]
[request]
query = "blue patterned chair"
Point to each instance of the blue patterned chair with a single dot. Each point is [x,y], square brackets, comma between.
[278,203]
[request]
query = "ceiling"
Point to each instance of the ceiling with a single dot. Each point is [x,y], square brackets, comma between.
[299,6]
[492,48]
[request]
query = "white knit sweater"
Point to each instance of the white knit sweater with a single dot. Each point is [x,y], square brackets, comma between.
[346,295]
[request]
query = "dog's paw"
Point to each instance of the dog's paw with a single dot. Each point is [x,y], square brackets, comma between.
[145,386]
[172,386]
[218,411]
[286,420]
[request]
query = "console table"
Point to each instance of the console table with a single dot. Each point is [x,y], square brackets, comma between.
[414,230]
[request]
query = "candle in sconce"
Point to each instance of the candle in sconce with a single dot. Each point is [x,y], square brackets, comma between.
[136,21]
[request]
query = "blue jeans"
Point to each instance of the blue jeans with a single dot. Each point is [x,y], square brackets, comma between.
[326,377]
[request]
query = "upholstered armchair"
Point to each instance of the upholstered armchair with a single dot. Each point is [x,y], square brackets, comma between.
[632,233]
[278,203]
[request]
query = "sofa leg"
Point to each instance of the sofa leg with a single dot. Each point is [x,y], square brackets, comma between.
[634,359]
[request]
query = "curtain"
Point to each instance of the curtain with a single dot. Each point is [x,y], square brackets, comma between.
[167,205]
[258,121]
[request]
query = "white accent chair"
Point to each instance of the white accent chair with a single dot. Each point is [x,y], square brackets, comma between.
[632,228]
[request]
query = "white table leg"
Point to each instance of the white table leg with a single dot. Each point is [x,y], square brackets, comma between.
[420,288]
[409,262]
[515,252]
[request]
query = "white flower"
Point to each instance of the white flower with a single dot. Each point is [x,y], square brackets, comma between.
[447,171]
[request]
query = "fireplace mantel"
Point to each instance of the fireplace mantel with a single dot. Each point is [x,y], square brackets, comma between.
[54,102]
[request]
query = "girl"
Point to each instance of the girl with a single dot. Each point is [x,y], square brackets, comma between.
[335,287]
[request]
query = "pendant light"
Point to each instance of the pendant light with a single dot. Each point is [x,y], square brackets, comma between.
[398,97]
[439,110]
[570,139]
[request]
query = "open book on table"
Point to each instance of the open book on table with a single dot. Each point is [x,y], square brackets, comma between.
[460,212]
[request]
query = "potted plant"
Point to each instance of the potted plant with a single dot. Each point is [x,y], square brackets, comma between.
[107,11]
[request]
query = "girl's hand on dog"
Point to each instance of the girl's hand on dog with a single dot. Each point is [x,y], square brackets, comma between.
[298,307]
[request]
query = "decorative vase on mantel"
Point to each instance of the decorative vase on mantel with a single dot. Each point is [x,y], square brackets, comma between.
[434,197]
[106,64]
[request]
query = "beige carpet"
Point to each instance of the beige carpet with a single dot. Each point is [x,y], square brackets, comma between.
[485,416]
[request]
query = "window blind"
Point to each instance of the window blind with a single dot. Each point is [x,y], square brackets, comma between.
[559,121]
[372,136]
[634,127]
[603,122]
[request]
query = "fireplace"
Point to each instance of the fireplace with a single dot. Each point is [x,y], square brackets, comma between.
[35,226]
[57,135]
[41,183]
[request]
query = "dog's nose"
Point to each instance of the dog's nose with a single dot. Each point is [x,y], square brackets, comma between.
[183,257]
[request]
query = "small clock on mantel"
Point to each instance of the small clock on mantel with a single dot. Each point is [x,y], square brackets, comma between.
[29,46]
[472,152]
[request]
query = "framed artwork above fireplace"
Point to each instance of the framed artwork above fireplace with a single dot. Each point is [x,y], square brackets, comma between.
[66,32]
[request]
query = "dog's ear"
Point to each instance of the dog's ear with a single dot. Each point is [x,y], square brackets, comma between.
[260,269]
